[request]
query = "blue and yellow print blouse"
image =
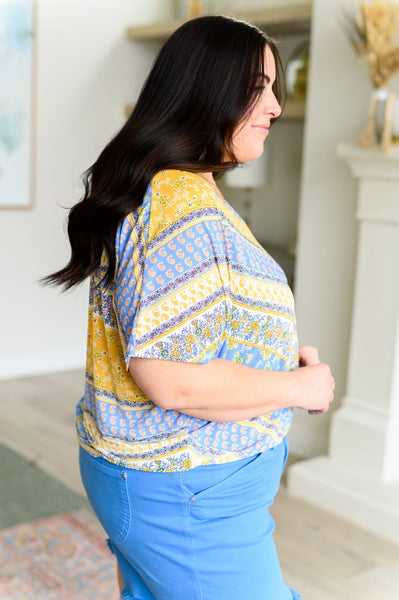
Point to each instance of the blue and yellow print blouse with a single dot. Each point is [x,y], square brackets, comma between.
[191,284]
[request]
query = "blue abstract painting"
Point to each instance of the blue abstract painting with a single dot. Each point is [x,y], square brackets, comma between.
[16,79]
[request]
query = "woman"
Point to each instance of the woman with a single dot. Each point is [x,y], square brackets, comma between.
[192,348]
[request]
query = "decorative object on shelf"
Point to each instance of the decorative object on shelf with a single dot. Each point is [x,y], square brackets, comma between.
[189,9]
[372,36]
[248,177]
[297,72]
[16,103]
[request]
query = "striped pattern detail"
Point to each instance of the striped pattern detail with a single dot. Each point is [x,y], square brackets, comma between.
[192,284]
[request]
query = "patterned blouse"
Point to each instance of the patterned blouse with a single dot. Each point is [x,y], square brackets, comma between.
[191,284]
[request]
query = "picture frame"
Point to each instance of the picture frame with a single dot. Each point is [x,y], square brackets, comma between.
[17,103]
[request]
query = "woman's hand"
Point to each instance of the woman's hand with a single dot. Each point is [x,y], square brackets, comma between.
[316,382]
[308,355]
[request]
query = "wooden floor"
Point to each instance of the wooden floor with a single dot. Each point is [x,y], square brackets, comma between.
[324,557]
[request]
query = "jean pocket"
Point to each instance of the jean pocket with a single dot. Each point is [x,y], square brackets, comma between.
[106,489]
[253,485]
[228,479]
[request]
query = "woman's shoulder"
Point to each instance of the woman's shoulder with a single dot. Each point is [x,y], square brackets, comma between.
[177,196]
[172,194]
[177,183]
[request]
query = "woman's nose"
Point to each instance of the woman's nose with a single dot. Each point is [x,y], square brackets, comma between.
[272,107]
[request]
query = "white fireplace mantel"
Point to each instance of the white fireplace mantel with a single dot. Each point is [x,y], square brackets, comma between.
[359,479]
[370,163]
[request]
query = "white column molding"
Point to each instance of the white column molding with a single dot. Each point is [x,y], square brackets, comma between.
[359,479]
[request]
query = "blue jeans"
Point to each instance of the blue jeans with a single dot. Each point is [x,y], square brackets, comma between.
[202,534]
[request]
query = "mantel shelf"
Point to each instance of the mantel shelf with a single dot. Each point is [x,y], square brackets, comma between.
[370,163]
[289,18]
[355,151]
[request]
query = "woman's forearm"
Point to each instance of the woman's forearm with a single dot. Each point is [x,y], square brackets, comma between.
[226,391]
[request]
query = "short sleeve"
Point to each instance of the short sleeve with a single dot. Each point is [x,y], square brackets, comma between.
[172,291]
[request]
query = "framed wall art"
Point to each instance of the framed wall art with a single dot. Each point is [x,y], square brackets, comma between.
[17,20]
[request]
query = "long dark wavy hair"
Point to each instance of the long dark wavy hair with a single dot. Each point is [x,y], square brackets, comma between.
[201,87]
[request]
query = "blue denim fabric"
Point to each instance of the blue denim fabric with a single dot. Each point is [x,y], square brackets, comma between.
[201,534]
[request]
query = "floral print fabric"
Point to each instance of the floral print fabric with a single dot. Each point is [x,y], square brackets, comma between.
[191,284]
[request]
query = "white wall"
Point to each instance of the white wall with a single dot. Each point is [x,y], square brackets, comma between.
[336,111]
[86,70]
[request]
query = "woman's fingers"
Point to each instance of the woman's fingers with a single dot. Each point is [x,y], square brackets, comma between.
[308,355]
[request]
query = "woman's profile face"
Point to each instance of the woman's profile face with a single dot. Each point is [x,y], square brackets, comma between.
[249,137]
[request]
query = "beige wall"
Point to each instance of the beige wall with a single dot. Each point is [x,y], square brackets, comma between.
[86,71]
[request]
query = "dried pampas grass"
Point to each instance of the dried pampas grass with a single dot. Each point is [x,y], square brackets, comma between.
[372,35]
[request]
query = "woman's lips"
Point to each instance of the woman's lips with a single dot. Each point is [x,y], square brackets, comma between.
[261,128]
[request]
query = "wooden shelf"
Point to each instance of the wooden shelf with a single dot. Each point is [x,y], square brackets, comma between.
[294,110]
[290,18]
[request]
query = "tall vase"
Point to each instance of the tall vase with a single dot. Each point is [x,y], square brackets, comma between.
[190,9]
[371,136]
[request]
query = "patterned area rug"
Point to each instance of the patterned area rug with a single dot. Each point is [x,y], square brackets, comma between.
[64,557]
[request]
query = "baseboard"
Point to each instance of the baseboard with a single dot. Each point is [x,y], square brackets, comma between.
[40,363]
[362,500]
